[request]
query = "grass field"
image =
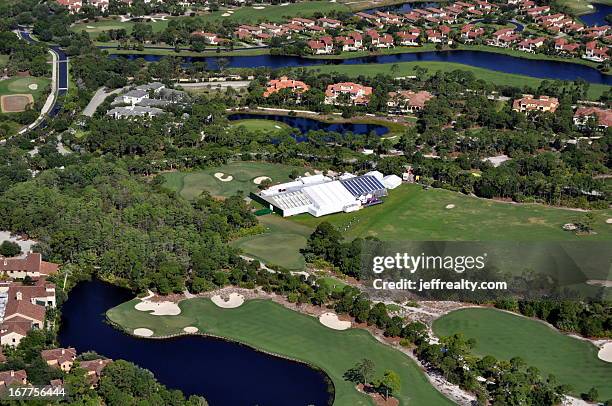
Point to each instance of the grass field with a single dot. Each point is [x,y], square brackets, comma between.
[250,15]
[18,85]
[504,336]
[191,184]
[94,28]
[411,213]
[408,68]
[3,60]
[270,327]
[288,237]
[269,126]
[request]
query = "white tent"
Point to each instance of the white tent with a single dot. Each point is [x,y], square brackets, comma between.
[391,181]
[377,174]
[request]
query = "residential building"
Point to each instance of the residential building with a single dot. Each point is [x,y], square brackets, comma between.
[602,118]
[407,101]
[94,369]
[13,378]
[595,53]
[62,358]
[529,103]
[31,265]
[322,46]
[276,85]
[352,93]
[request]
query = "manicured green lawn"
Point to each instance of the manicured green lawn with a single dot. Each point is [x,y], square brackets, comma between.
[278,13]
[408,68]
[279,245]
[412,213]
[3,60]
[578,7]
[20,85]
[268,126]
[191,184]
[268,326]
[504,336]
[332,283]
[94,28]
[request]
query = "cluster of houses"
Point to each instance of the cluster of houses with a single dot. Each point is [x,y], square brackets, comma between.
[350,93]
[408,101]
[145,101]
[23,305]
[63,359]
[25,296]
[459,21]
[75,6]
[600,117]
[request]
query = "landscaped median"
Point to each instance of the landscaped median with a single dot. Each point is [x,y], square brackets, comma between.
[270,327]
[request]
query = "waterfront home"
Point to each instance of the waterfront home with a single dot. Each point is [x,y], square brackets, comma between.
[12,378]
[407,101]
[595,32]
[329,23]
[62,358]
[209,37]
[434,36]
[602,118]
[503,38]
[595,53]
[529,103]
[408,38]
[564,47]
[93,369]
[276,85]
[531,44]
[40,293]
[322,46]
[348,93]
[31,265]
[470,32]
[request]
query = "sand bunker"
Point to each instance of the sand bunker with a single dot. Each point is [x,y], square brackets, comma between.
[450,206]
[143,332]
[159,308]
[235,300]
[259,8]
[331,320]
[609,221]
[605,353]
[32,86]
[190,330]
[600,282]
[225,15]
[258,180]
[223,177]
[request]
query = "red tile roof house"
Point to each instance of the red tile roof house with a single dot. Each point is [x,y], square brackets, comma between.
[531,44]
[357,94]
[595,32]
[329,23]
[503,38]
[209,37]
[434,36]
[302,21]
[62,358]
[324,45]
[276,85]
[93,369]
[388,18]
[564,47]
[595,53]
[74,6]
[102,5]
[470,32]
[602,117]
[31,265]
[386,41]
[529,103]
[407,101]
[408,38]
[536,11]
[10,378]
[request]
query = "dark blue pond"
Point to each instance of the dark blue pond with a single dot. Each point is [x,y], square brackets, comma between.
[599,16]
[304,124]
[225,373]
[502,63]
